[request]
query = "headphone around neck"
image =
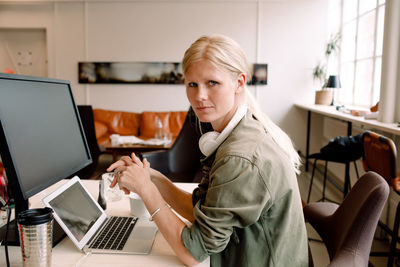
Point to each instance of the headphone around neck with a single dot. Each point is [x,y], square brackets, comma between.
[210,141]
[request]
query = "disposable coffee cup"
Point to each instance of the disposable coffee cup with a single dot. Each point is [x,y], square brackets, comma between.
[35,229]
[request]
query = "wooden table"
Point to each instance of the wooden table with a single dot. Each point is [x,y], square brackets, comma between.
[127,149]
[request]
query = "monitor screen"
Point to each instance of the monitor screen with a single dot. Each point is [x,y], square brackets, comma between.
[41,137]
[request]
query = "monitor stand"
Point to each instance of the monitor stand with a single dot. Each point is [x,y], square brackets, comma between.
[13,237]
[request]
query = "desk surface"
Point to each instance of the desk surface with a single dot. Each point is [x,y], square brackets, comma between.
[331,111]
[66,253]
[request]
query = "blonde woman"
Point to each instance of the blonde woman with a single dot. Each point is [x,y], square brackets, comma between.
[247,209]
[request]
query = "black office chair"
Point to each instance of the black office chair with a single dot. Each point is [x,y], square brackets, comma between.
[181,163]
[342,149]
[86,114]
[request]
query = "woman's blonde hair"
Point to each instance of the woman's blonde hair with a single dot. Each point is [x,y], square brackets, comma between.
[225,53]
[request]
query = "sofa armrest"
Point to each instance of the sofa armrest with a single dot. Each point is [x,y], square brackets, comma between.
[158,159]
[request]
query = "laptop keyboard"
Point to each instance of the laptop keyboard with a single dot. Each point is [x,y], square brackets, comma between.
[115,233]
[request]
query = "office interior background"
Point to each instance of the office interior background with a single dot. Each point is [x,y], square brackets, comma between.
[49,38]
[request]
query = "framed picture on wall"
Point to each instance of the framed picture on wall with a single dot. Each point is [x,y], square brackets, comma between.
[130,72]
[260,74]
[147,73]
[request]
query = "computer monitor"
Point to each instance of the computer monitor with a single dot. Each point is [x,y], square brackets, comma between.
[41,136]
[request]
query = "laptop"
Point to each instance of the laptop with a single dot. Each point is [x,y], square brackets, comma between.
[86,223]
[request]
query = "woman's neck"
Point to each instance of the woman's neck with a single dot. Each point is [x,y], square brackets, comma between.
[220,125]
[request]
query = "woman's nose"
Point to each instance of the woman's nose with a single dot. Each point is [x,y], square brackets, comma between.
[201,93]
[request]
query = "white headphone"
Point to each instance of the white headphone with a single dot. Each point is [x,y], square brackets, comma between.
[209,142]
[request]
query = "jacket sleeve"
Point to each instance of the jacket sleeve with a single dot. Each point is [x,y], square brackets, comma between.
[236,196]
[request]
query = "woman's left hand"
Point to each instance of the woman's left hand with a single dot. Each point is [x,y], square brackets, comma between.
[131,174]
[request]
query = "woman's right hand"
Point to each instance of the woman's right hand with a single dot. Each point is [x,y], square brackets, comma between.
[131,174]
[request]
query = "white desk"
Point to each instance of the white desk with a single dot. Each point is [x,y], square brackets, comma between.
[330,111]
[66,254]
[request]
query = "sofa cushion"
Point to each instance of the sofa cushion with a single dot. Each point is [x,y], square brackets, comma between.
[116,122]
[100,128]
[172,122]
[176,121]
[108,122]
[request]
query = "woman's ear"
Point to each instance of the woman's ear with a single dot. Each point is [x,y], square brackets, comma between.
[241,83]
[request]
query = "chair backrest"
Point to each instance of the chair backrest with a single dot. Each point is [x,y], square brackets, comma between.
[181,163]
[348,230]
[184,155]
[379,155]
[87,119]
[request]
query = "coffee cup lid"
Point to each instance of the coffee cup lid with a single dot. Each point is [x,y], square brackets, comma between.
[35,216]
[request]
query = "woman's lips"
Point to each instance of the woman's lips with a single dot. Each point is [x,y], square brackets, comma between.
[203,108]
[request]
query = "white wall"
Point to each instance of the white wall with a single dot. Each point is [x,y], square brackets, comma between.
[287,34]
[292,34]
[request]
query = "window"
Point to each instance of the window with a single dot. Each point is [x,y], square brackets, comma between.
[361,25]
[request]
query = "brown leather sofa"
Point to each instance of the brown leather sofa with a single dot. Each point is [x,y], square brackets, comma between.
[142,125]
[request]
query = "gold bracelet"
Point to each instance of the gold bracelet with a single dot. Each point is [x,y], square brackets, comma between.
[158,210]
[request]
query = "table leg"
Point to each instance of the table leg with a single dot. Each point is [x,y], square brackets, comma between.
[346,180]
[349,128]
[347,168]
[308,138]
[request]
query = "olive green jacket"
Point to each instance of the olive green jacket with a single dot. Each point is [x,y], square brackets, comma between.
[247,207]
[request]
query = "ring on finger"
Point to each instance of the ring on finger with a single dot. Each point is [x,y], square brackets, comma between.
[118,175]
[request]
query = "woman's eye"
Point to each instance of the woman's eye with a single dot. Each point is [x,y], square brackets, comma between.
[212,82]
[191,84]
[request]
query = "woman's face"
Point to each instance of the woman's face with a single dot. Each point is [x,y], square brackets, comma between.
[213,93]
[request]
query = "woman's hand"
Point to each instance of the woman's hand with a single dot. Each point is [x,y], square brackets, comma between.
[131,174]
[122,162]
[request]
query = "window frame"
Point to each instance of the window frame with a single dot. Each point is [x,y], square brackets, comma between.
[374,86]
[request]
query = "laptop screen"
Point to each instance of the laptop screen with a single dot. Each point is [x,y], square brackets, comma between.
[76,209]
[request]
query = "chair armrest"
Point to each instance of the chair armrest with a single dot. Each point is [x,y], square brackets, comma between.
[317,215]
[318,211]
[158,159]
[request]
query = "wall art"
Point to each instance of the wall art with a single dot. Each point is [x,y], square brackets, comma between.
[147,73]
[130,72]
[260,74]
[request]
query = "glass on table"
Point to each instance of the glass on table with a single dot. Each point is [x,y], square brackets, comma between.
[111,194]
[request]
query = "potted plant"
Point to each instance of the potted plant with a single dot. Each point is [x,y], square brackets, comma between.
[324,96]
